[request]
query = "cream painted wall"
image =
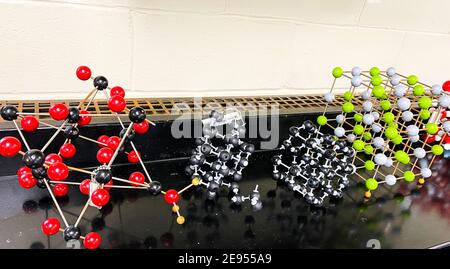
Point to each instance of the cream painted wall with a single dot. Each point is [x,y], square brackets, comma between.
[214,47]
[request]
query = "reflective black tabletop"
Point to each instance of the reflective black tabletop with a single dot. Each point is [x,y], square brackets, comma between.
[401,217]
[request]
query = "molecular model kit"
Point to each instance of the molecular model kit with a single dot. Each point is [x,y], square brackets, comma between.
[48,171]
[216,166]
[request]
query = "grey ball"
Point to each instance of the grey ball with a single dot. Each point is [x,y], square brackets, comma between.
[436,89]
[391,71]
[378,142]
[412,130]
[395,80]
[368,119]
[407,116]
[351,138]
[390,180]
[356,71]
[339,132]
[389,162]
[380,159]
[444,101]
[376,128]
[414,139]
[426,172]
[365,95]
[367,106]
[340,118]
[403,103]
[419,153]
[329,97]
[400,90]
[356,81]
[446,126]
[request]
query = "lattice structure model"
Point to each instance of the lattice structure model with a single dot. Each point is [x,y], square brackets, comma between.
[216,166]
[48,171]
[397,124]
[314,164]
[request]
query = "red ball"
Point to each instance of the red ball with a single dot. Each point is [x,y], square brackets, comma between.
[117,103]
[171,196]
[68,150]
[104,140]
[108,185]
[27,181]
[9,146]
[85,186]
[446,86]
[141,128]
[23,170]
[113,142]
[446,139]
[83,72]
[104,155]
[60,190]
[84,120]
[100,197]
[50,226]
[133,156]
[137,177]
[58,111]
[117,90]
[92,240]
[29,124]
[58,171]
[429,138]
[53,158]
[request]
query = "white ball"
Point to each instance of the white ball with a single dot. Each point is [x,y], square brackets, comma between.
[400,90]
[444,101]
[412,130]
[356,71]
[407,116]
[351,138]
[390,71]
[403,103]
[367,106]
[376,115]
[378,142]
[436,89]
[340,118]
[368,119]
[426,172]
[395,80]
[446,126]
[329,97]
[390,180]
[365,95]
[414,139]
[339,132]
[376,128]
[380,159]
[389,162]
[356,81]
[419,153]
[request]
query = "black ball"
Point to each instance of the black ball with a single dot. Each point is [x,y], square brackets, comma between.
[213,186]
[71,132]
[41,184]
[137,114]
[103,176]
[71,233]
[131,135]
[33,158]
[224,170]
[237,176]
[309,126]
[100,82]
[155,187]
[9,113]
[199,141]
[39,172]
[188,171]
[74,115]
[276,175]
[224,156]
[293,130]
[206,148]
[243,162]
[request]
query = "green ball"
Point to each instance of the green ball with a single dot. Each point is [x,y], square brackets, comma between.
[348,107]
[425,102]
[402,157]
[369,165]
[371,184]
[348,96]
[409,176]
[385,105]
[368,149]
[376,80]
[358,129]
[393,124]
[424,114]
[391,132]
[437,149]
[388,117]
[374,71]
[432,128]
[397,140]
[337,72]
[412,80]
[378,91]
[358,117]
[418,90]
[358,145]
[322,120]
[367,136]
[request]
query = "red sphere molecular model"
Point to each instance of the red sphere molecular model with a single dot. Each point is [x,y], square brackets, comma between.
[48,171]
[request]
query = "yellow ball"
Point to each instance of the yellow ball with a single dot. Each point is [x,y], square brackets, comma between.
[421,181]
[175,208]
[367,194]
[180,220]
[195,181]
